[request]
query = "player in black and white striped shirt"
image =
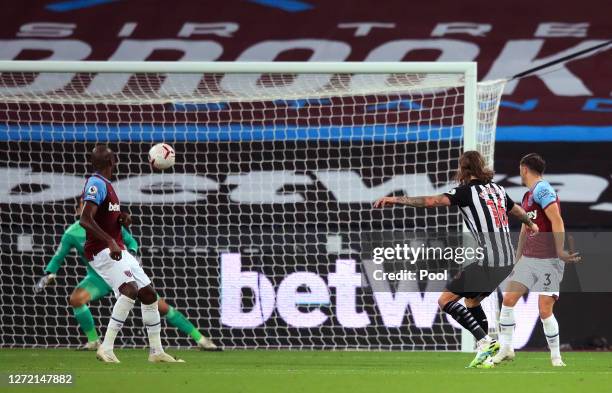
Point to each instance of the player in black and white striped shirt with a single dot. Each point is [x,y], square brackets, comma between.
[484,206]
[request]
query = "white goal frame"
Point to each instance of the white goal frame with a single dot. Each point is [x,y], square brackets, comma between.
[467,69]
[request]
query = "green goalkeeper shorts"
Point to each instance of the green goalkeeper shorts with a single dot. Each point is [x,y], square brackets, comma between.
[95,286]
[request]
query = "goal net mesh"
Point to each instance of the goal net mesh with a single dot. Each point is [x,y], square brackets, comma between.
[254,233]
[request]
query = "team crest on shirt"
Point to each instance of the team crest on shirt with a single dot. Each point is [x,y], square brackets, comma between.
[128,273]
[452,192]
[530,200]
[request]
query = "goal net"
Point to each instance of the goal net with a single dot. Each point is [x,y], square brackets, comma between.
[254,233]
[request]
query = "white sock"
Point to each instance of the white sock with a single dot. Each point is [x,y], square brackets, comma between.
[486,340]
[484,343]
[152,321]
[121,310]
[506,326]
[551,331]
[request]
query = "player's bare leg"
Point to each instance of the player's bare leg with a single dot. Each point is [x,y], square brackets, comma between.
[78,301]
[514,291]
[124,304]
[151,318]
[180,321]
[551,328]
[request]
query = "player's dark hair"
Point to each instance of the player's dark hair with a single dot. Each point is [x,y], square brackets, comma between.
[472,164]
[534,162]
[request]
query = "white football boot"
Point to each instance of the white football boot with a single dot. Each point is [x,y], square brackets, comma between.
[206,344]
[91,346]
[557,362]
[106,355]
[505,353]
[163,357]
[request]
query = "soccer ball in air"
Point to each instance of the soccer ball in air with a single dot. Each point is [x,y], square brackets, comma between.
[161,156]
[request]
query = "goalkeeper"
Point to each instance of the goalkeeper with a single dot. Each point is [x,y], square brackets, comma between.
[93,287]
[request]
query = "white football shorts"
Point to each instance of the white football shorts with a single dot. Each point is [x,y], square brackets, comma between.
[539,275]
[117,273]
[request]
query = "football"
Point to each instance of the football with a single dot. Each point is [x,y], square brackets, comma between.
[161,156]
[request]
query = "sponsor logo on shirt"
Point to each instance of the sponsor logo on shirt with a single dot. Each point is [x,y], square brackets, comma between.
[488,192]
[113,207]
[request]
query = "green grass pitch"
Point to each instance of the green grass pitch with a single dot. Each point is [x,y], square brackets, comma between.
[309,371]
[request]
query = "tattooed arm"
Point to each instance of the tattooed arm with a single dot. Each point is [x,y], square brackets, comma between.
[419,201]
[518,212]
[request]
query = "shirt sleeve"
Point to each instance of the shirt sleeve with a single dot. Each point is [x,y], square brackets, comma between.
[130,243]
[60,255]
[460,196]
[544,194]
[95,190]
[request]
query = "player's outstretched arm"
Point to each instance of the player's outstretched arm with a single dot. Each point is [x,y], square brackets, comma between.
[520,213]
[89,223]
[418,201]
[54,264]
[60,255]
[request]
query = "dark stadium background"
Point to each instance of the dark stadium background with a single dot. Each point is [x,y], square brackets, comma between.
[570,124]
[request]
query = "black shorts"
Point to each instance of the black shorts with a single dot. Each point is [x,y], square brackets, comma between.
[478,281]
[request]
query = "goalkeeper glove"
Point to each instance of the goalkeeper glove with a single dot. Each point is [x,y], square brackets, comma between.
[43,282]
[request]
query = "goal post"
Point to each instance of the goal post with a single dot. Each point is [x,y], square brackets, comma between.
[254,233]
[251,67]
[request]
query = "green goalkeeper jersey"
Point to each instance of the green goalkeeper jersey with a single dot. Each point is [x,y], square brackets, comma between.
[74,237]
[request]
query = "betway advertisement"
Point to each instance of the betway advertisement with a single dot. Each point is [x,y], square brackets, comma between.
[260,255]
